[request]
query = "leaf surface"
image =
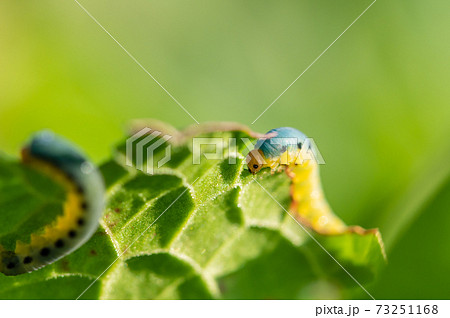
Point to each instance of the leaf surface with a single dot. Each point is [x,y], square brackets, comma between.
[187,231]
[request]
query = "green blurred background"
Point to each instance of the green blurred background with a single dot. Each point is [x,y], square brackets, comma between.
[377,103]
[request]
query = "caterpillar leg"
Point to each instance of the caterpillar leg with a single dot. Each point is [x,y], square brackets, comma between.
[83,206]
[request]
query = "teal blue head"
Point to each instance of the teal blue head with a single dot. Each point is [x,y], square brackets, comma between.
[47,146]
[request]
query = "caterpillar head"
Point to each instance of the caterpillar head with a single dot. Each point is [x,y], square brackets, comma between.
[255,160]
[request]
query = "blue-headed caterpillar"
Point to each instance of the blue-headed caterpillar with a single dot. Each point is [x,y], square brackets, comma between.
[282,147]
[82,209]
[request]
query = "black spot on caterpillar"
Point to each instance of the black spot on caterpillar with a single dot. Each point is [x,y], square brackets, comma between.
[83,208]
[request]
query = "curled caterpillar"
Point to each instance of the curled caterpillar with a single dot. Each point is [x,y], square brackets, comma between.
[286,147]
[83,206]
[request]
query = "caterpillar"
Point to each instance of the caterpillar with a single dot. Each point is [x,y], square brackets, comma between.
[279,146]
[288,148]
[82,209]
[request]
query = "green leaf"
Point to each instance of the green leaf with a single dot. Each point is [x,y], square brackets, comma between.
[187,231]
